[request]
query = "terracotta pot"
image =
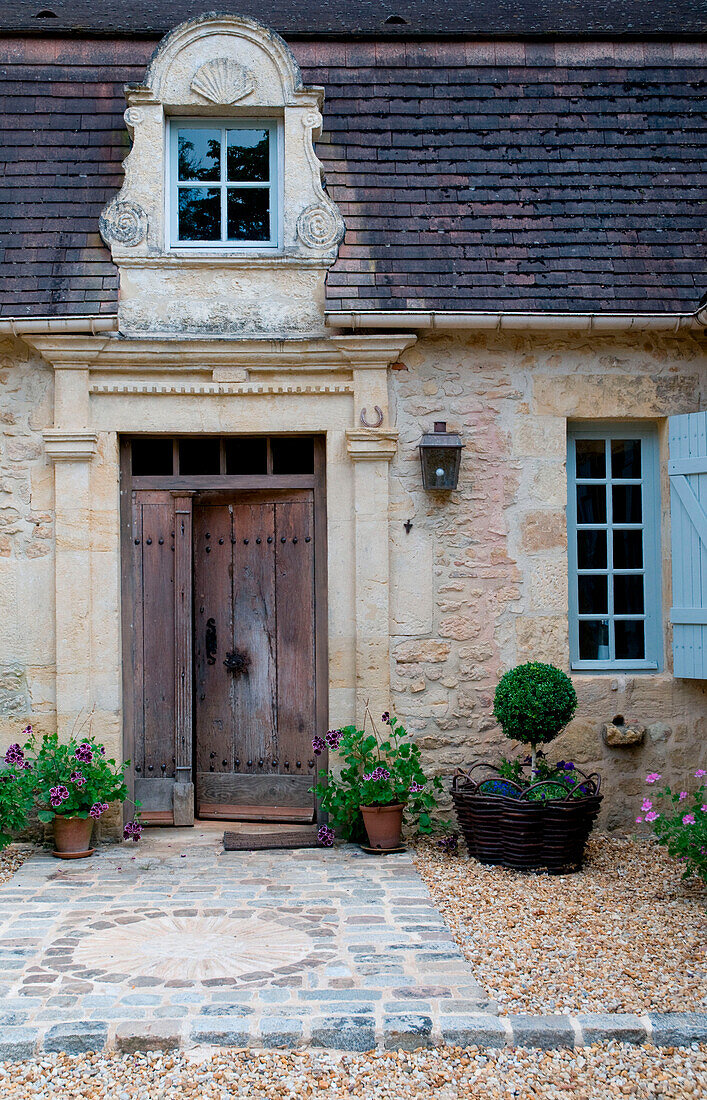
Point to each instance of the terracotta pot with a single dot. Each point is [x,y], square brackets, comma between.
[384,824]
[72,835]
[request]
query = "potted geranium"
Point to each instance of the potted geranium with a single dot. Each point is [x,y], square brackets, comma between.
[72,783]
[529,813]
[380,781]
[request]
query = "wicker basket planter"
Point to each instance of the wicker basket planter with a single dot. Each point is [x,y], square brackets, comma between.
[544,826]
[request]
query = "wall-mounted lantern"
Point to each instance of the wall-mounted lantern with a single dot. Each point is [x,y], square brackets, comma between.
[440,457]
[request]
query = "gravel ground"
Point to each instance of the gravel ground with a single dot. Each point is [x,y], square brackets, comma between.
[624,935]
[601,1072]
[11,858]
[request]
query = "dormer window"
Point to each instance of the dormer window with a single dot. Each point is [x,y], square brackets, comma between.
[223,189]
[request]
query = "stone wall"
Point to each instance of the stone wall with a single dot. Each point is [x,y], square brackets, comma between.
[26,544]
[480,582]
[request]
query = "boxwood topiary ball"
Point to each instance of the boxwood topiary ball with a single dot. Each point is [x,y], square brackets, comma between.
[534,702]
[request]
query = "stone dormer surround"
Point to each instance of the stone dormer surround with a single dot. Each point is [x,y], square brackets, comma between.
[222,67]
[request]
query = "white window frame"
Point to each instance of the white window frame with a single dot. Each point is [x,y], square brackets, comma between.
[275,183]
[650,526]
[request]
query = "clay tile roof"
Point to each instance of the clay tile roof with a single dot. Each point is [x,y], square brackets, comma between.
[507,175]
[395,18]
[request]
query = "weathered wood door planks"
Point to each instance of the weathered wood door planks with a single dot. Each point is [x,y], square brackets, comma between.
[254,655]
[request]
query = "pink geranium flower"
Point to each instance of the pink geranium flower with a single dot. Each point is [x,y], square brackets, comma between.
[699,773]
[639,820]
[652,816]
[704,808]
[652,777]
[683,794]
[646,804]
[688,819]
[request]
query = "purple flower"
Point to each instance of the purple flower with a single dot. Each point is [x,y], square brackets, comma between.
[78,779]
[84,753]
[376,774]
[688,819]
[449,844]
[15,755]
[58,795]
[325,836]
[385,717]
[699,773]
[132,831]
[318,745]
[97,809]
[333,738]
[415,788]
[683,795]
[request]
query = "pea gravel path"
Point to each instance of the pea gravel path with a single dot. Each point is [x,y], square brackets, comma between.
[606,1071]
[626,935]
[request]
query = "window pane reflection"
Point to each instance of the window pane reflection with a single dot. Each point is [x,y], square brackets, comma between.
[199,154]
[628,594]
[593,640]
[248,214]
[629,635]
[591,458]
[248,156]
[626,503]
[625,458]
[591,549]
[628,549]
[199,214]
[591,504]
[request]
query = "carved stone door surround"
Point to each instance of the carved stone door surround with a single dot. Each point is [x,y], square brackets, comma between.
[106,386]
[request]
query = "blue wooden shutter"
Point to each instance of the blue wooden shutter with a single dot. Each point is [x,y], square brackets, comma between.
[688,502]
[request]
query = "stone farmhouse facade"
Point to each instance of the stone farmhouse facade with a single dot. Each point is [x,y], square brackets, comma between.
[249,260]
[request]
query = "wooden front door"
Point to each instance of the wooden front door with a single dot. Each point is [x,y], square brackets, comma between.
[254,654]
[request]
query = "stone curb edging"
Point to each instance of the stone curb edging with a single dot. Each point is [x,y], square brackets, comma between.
[402,1032]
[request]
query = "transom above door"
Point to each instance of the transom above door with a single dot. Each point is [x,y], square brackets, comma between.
[224,622]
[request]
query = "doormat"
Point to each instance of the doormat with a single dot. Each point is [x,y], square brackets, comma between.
[261,841]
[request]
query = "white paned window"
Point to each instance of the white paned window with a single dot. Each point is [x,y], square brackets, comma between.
[613,548]
[223,184]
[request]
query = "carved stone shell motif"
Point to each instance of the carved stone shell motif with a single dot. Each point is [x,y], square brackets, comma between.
[222,80]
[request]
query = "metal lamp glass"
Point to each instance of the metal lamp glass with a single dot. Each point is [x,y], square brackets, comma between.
[440,458]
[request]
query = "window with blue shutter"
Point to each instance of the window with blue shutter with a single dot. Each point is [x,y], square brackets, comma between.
[614,548]
[687,469]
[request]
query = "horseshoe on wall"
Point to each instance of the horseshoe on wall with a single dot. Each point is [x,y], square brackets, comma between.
[378,422]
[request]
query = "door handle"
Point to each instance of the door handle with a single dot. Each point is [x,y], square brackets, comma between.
[211,642]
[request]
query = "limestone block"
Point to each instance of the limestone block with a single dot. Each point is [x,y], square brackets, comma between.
[544,531]
[659,731]
[620,734]
[422,650]
[542,638]
[548,586]
[600,395]
[540,437]
[14,696]
[580,742]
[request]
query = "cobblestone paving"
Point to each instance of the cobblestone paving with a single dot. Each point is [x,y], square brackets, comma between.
[177,940]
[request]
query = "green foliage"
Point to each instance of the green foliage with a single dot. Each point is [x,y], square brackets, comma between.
[15,802]
[534,702]
[377,770]
[679,822]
